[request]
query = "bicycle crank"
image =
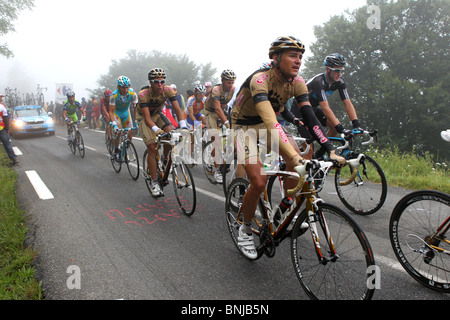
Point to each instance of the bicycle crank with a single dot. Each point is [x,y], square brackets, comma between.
[267,244]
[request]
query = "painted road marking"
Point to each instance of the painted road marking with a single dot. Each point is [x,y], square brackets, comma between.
[39,186]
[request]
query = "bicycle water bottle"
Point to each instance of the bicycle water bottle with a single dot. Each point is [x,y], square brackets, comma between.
[285,204]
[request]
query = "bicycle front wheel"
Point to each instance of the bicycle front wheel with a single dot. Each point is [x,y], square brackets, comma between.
[80,145]
[342,272]
[417,230]
[367,193]
[208,162]
[73,142]
[184,187]
[132,161]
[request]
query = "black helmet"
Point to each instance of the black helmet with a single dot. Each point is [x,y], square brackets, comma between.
[285,43]
[334,60]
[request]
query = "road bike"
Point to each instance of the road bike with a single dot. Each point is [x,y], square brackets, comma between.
[418,230]
[367,193]
[335,261]
[75,140]
[126,153]
[174,166]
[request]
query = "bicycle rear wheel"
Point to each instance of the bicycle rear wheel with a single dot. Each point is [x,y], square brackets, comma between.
[80,144]
[132,160]
[234,218]
[344,276]
[417,244]
[367,193]
[184,187]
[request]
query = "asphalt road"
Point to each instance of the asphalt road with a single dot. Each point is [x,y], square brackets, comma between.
[102,236]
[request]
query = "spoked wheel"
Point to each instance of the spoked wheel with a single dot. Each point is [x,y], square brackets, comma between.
[73,143]
[418,231]
[367,193]
[132,161]
[117,165]
[80,145]
[343,271]
[234,218]
[184,187]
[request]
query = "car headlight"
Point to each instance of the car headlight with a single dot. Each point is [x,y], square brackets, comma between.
[19,124]
[50,121]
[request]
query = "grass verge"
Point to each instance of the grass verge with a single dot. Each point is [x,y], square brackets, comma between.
[17,275]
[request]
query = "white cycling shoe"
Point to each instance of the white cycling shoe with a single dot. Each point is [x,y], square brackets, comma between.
[247,245]
[156,191]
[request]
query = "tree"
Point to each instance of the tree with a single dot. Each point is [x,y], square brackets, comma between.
[181,71]
[397,75]
[9,11]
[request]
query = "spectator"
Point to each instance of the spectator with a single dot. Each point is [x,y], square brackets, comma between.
[4,130]
[96,114]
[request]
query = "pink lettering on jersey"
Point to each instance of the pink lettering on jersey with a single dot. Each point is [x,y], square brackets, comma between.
[261,78]
[320,134]
[143,93]
[281,132]
[299,79]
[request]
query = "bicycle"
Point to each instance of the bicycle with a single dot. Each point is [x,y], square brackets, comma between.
[418,230]
[127,153]
[209,156]
[367,193]
[182,180]
[335,261]
[75,139]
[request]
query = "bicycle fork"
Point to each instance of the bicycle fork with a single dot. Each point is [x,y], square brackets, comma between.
[315,215]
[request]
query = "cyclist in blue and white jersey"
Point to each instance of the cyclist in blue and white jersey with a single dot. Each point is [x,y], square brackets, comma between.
[121,103]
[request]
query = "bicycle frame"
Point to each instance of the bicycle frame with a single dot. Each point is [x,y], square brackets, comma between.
[308,195]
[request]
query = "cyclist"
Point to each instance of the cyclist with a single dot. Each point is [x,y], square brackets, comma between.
[70,108]
[262,95]
[320,89]
[121,103]
[153,122]
[215,110]
[105,110]
[195,105]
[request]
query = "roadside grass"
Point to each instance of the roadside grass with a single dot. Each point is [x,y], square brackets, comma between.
[17,275]
[409,171]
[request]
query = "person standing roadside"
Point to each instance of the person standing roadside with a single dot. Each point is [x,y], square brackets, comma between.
[4,130]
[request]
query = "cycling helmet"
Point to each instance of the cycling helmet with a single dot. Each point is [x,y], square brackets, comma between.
[228,75]
[200,89]
[156,73]
[70,93]
[334,60]
[123,81]
[107,93]
[285,43]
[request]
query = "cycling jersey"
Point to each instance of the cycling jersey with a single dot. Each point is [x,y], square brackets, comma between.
[195,105]
[320,90]
[217,94]
[261,97]
[122,105]
[71,108]
[154,102]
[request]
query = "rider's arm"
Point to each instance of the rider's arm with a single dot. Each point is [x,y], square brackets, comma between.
[219,112]
[265,111]
[329,114]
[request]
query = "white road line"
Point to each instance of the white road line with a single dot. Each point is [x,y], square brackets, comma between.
[17,151]
[84,145]
[39,186]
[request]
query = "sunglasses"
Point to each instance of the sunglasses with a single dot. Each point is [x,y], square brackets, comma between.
[337,70]
[158,81]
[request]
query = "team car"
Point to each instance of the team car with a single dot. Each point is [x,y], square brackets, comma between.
[31,120]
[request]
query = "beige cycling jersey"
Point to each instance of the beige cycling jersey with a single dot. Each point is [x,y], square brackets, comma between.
[217,94]
[262,97]
[154,102]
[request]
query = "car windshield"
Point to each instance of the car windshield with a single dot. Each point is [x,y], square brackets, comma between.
[30,112]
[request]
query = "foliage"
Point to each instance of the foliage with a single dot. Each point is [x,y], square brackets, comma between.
[398,75]
[9,11]
[181,71]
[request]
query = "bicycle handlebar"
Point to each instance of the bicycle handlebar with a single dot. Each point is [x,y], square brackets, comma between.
[311,165]
[347,138]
